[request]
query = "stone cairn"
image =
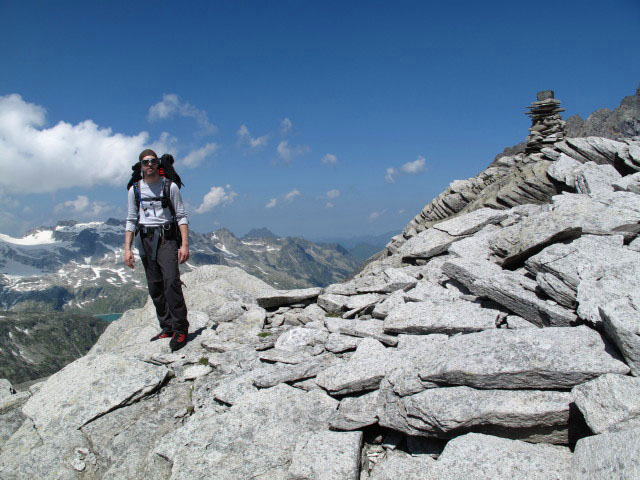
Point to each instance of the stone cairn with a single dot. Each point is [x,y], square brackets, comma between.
[547,126]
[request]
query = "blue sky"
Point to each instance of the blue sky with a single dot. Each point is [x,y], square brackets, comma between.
[315,119]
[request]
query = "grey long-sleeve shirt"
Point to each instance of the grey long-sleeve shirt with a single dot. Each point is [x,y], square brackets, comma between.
[151,212]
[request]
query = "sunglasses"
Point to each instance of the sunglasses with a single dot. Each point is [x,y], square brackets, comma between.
[152,161]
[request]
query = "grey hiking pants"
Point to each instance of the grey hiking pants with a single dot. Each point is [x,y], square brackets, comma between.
[163,280]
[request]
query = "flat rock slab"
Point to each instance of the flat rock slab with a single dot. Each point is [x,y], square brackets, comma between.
[607,456]
[362,372]
[327,456]
[299,337]
[284,356]
[476,246]
[622,326]
[360,328]
[485,457]
[572,262]
[471,223]
[288,297]
[257,435]
[194,371]
[413,467]
[333,303]
[510,289]
[570,215]
[88,388]
[338,343]
[356,412]
[522,359]
[427,244]
[284,373]
[440,316]
[609,402]
[531,415]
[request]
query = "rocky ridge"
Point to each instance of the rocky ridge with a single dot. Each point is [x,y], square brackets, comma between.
[500,341]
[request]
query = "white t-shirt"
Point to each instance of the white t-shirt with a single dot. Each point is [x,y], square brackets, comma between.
[151,212]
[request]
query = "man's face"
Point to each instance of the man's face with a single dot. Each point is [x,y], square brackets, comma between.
[149,164]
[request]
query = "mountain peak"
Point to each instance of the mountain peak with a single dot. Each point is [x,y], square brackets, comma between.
[263,232]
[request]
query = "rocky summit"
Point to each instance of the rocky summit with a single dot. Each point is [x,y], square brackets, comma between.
[498,337]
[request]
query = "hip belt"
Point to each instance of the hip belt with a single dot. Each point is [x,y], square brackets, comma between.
[166,232]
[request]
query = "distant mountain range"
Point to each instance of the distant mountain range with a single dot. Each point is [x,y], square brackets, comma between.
[362,246]
[78,267]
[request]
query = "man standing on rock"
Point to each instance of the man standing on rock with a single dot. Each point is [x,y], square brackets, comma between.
[152,220]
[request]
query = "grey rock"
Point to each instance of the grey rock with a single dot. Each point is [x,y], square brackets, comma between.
[311,313]
[476,246]
[562,169]
[88,388]
[284,356]
[125,437]
[360,328]
[609,402]
[600,150]
[356,412]
[472,222]
[621,325]
[194,371]
[607,456]
[514,321]
[412,467]
[510,289]
[290,373]
[593,178]
[427,244]
[630,183]
[561,267]
[524,358]
[362,372]
[332,303]
[228,312]
[10,421]
[327,456]
[230,389]
[570,215]
[427,290]
[382,309]
[485,457]
[338,343]
[437,316]
[288,297]
[299,337]
[390,280]
[257,435]
[531,415]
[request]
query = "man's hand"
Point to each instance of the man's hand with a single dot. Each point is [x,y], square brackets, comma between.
[129,260]
[183,253]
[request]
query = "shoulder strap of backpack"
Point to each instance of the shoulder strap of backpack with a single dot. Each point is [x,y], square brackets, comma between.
[166,194]
[137,196]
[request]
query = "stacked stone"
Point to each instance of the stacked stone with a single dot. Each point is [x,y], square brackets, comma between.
[547,126]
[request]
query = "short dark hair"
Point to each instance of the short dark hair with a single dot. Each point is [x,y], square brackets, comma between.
[146,153]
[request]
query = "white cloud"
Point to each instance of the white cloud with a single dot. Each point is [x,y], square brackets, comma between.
[292,194]
[391,174]
[416,166]
[244,136]
[82,206]
[216,196]
[288,153]
[271,203]
[333,193]
[85,154]
[329,159]
[374,215]
[196,157]
[285,126]
[329,205]
[171,105]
